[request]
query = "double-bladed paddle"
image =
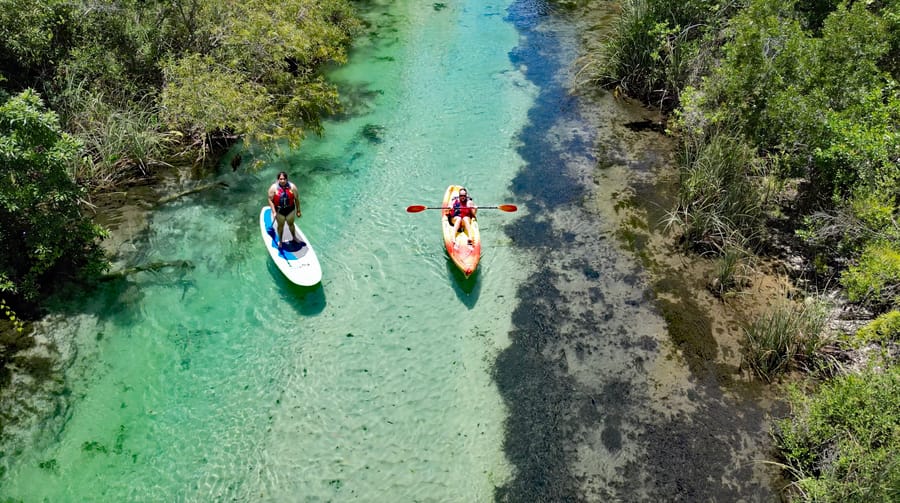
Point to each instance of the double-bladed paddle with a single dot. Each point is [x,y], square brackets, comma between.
[503,207]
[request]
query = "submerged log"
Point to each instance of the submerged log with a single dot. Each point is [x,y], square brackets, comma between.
[152,266]
[199,188]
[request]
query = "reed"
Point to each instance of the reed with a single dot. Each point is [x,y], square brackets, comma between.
[729,273]
[788,336]
[719,206]
[122,138]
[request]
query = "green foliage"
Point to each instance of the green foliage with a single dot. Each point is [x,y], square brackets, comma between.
[882,329]
[843,443]
[762,57]
[875,279]
[257,63]
[862,146]
[719,203]
[876,212]
[122,75]
[846,230]
[820,105]
[228,101]
[785,337]
[652,47]
[31,31]
[41,227]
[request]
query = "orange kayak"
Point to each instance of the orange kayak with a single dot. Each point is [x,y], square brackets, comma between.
[464,255]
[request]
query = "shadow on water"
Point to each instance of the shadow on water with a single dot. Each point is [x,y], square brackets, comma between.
[538,395]
[306,300]
[560,421]
[467,289]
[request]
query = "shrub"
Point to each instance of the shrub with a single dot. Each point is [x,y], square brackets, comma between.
[843,443]
[875,279]
[41,227]
[882,329]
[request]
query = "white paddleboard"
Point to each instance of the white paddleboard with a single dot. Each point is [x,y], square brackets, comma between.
[297,261]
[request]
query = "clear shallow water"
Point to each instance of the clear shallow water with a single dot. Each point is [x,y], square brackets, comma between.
[221,381]
[548,376]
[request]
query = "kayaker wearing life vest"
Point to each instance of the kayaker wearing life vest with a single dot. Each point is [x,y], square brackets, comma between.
[462,212]
[285,203]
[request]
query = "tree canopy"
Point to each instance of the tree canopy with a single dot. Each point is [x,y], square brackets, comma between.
[211,71]
[41,227]
[130,84]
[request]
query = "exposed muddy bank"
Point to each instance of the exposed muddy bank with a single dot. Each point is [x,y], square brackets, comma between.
[623,379]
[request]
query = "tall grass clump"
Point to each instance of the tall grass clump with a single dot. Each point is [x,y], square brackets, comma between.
[122,145]
[719,204]
[651,47]
[842,444]
[625,57]
[788,336]
[122,137]
[729,270]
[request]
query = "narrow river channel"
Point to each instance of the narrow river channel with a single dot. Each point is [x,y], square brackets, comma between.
[547,376]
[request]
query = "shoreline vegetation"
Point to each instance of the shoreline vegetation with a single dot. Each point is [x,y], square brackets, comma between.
[103,99]
[95,98]
[786,117]
[786,114]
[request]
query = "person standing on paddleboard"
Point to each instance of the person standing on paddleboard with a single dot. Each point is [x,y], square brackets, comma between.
[285,203]
[462,212]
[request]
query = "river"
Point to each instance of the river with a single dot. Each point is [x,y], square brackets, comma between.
[548,375]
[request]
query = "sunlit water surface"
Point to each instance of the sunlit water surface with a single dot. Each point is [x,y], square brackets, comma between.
[218,380]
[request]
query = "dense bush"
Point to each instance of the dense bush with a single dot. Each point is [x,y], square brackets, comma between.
[883,329]
[843,443]
[875,279]
[818,107]
[213,71]
[257,62]
[43,232]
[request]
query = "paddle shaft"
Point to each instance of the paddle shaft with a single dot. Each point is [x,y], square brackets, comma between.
[503,207]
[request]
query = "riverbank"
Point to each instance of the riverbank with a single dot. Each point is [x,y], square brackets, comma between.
[622,365]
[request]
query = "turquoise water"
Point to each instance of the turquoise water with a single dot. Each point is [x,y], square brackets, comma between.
[220,381]
[549,375]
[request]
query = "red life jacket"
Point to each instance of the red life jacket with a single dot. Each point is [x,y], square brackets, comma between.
[284,198]
[461,211]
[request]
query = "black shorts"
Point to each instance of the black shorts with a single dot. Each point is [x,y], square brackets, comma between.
[285,211]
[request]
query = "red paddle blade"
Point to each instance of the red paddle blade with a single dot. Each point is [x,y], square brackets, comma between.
[507,207]
[415,208]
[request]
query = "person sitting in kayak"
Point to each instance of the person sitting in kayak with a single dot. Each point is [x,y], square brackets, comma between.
[285,202]
[462,211]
